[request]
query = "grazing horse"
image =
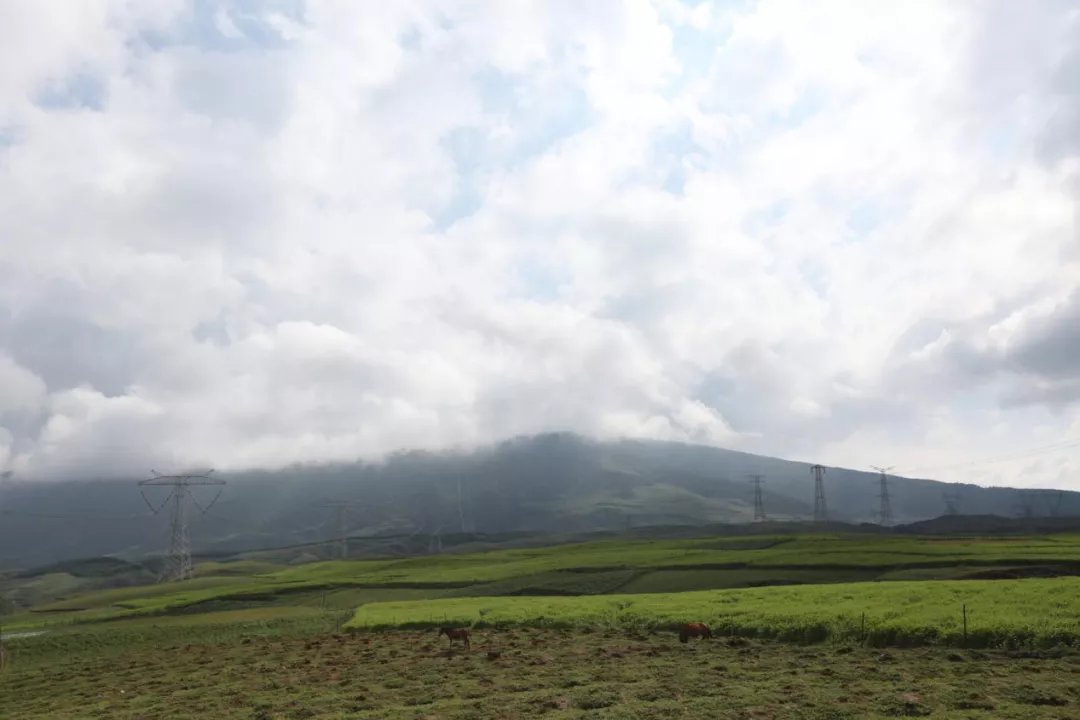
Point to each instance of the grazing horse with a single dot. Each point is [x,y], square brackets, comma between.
[690,630]
[453,634]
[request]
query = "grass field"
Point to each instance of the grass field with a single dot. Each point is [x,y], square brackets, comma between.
[610,566]
[1043,612]
[575,631]
[248,670]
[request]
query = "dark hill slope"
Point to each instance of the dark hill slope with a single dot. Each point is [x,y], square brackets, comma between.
[556,483]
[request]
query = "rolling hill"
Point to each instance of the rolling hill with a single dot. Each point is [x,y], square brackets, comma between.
[548,484]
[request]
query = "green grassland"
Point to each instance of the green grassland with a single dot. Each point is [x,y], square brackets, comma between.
[1042,612]
[570,631]
[608,566]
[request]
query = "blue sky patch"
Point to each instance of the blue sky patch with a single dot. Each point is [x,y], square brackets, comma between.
[538,125]
[202,27]
[674,153]
[80,90]
[468,151]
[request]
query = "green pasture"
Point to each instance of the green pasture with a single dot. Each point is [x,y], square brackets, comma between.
[169,632]
[593,568]
[1000,612]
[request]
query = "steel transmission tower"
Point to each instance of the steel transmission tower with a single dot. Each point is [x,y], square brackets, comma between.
[885,508]
[952,502]
[340,508]
[759,502]
[821,511]
[466,520]
[1055,505]
[178,562]
[1025,504]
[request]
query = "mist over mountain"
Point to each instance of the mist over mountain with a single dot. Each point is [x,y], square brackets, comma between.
[554,483]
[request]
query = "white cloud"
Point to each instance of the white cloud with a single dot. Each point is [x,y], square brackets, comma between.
[321,230]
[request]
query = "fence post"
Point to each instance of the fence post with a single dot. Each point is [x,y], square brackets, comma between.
[965,623]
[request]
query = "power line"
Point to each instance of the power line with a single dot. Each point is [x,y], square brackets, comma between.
[759,501]
[821,512]
[885,516]
[1020,455]
[70,516]
[178,562]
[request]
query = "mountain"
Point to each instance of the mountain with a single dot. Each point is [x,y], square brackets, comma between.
[554,483]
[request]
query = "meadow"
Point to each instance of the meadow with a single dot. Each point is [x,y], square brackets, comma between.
[1000,613]
[807,626]
[602,567]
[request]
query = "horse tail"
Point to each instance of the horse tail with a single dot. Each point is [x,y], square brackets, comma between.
[682,635]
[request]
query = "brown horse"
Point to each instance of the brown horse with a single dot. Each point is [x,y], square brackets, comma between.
[690,630]
[453,634]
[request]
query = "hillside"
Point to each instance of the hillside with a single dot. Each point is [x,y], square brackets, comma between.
[548,484]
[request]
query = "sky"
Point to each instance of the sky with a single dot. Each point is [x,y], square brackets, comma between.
[249,234]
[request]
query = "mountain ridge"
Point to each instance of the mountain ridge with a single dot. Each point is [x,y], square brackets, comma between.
[551,483]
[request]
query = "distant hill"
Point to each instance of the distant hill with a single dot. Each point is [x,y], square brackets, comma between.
[991,525]
[549,484]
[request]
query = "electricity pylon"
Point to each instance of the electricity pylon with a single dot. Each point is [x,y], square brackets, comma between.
[340,507]
[1054,503]
[466,521]
[952,502]
[178,562]
[885,516]
[821,512]
[759,501]
[1025,504]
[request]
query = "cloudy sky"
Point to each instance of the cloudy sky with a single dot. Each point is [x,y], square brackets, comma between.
[250,233]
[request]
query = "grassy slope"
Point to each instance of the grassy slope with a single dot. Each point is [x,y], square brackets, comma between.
[1001,612]
[587,568]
